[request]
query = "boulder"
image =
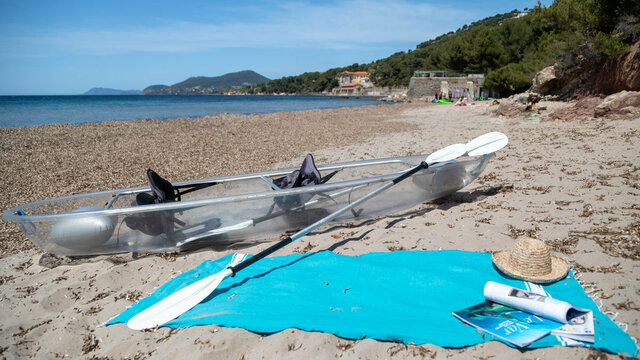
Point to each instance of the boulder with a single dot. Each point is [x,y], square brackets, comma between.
[619,105]
[545,81]
[526,98]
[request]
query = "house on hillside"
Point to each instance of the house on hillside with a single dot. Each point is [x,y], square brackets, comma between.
[352,82]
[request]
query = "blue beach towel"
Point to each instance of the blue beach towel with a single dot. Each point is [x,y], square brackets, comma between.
[403,295]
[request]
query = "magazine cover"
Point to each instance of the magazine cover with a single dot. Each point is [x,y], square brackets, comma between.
[515,326]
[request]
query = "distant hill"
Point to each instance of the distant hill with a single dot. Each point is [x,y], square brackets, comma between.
[201,85]
[106,91]
[156,90]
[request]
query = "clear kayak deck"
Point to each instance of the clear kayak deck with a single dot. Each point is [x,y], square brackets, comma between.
[237,209]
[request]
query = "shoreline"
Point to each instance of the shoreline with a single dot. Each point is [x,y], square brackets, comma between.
[33,110]
[565,182]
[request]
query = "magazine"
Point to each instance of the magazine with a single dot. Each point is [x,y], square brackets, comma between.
[546,315]
[578,322]
[515,326]
[580,328]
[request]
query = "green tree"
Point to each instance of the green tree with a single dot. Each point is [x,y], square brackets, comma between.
[510,79]
[509,49]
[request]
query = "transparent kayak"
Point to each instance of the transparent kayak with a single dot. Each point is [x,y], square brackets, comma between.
[234,210]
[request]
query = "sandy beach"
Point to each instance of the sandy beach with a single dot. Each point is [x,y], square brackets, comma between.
[574,184]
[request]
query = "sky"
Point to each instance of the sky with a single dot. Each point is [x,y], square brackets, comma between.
[67,47]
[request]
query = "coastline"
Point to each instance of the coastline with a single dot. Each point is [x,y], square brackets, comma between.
[554,181]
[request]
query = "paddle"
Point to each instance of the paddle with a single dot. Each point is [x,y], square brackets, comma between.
[181,301]
[273,215]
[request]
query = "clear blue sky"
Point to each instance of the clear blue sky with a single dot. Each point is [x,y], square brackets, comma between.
[67,47]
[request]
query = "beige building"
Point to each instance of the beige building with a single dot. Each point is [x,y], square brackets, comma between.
[429,84]
[352,82]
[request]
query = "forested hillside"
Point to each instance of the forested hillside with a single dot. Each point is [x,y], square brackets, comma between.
[200,85]
[508,48]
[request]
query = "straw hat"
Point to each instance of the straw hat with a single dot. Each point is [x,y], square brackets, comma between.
[531,260]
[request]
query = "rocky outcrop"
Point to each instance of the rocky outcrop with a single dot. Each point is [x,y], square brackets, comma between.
[585,72]
[619,105]
[545,81]
[617,74]
[582,107]
[509,108]
[574,71]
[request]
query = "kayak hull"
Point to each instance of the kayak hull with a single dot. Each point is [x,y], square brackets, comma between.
[238,209]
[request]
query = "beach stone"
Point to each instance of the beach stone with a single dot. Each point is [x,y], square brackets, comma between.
[526,98]
[619,104]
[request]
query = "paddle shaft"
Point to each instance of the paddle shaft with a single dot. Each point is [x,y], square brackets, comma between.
[255,221]
[326,219]
[302,206]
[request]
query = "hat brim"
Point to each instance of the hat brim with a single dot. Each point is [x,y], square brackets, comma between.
[559,268]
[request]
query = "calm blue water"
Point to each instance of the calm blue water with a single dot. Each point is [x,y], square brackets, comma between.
[21,111]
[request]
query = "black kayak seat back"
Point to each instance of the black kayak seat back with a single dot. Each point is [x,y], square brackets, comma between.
[153,224]
[161,188]
[161,191]
[307,175]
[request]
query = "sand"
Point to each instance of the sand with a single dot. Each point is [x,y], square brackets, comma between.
[573,184]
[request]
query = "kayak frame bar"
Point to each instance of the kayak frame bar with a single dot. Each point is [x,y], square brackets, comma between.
[261,175]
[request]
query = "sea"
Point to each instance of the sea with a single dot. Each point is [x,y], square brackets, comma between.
[22,111]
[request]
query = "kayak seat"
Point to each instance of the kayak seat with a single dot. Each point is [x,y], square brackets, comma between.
[143,199]
[151,223]
[307,175]
[161,188]
[162,191]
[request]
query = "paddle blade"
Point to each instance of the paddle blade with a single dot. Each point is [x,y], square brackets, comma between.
[449,153]
[177,303]
[487,143]
[221,230]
